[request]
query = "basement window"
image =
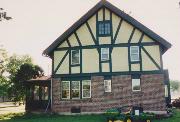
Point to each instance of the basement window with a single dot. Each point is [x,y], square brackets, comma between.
[136,85]
[104,28]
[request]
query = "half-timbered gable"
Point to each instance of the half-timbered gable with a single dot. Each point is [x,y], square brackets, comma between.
[105,30]
[107,49]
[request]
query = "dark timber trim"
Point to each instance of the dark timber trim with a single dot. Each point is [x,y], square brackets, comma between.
[106,73]
[68,42]
[132,33]
[103,13]
[79,42]
[92,35]
[61,62]
[140,52]
[70,61]
[140,40]
[109,45]
[166,45]
[117,31]
[151,58]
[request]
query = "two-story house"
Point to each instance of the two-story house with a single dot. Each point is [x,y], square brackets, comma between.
[107,59]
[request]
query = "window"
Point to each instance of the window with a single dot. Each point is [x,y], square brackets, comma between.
[66,89]
[166,91]
[86,89]
[44,93]
[104,28]
[107,85]
[104,54]
[75,57]
[134,53]
[136,85]
[36,92]
[75,89]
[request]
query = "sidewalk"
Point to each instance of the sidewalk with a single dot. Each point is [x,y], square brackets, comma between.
[9,107]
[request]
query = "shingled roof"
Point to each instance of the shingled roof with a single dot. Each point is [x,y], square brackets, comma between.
[165,44]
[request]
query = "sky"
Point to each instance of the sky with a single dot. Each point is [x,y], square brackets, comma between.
[37,23]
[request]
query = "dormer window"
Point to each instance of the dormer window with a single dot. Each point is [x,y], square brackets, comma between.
[104,28]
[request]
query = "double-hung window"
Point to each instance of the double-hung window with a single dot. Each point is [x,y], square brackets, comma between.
[65,89]
[136,85]
[104,28]
[75,57]
[86,89]
[104,54]
[134,53]
[75,89]
[107,85]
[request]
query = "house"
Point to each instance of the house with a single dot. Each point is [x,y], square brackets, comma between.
[107,59]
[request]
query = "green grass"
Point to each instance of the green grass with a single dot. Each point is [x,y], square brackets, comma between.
[21,117]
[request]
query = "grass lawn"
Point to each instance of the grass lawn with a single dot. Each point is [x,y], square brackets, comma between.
[78,118]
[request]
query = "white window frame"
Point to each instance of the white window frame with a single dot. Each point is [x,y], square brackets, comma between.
[103,59]
[65,89]
[134,53]
[76,89]
[139,84]
[72,57]
[108,86]
[83,89]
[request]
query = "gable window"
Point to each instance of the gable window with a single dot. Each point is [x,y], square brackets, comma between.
[134,53]
[104,54]
[136,86]
[75,89]
[86,89]
[65,89]
[75,57]
[107,85]
[104,28]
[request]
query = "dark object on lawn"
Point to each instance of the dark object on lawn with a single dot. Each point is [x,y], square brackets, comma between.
[122,115]
[176,103]
[136,108]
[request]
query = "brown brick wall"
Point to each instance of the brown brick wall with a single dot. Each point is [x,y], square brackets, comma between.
[151,96]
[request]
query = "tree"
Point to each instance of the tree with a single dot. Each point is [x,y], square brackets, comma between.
[26,72]
[3,60]
[3,15]
[174,85]
[4,83]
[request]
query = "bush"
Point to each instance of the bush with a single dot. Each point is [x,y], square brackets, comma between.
[176,103]
[112,113]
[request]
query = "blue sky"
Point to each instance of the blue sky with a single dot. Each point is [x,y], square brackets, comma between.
[37,23]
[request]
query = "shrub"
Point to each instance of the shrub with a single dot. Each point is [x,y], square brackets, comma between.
[112,113]
[176,103]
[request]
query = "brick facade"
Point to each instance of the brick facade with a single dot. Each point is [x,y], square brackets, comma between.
[151,97]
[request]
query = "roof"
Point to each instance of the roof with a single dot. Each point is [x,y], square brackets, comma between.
[42,78]
[165,44]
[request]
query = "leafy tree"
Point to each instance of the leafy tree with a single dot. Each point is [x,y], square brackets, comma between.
[4,82]
[26,71]
[3,15]
[3,86]
[174,85]
[3,60]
